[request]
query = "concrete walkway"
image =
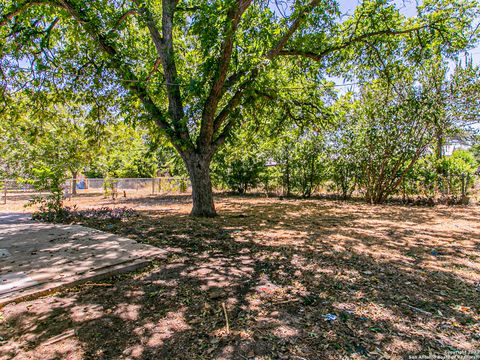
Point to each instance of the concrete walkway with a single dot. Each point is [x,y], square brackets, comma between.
[37,258]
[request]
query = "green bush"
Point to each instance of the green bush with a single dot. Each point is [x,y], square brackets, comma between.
[49,182]
[457,172]
[450,176]
[242,174]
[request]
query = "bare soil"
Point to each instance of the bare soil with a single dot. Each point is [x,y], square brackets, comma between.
[296,279]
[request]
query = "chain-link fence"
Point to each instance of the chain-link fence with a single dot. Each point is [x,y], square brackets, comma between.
[17,190]
[452,188]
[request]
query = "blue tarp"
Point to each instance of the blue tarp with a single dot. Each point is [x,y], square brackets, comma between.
[81,185]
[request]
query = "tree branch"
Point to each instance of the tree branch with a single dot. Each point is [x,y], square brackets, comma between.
[168,62]
[236,98]
[220,75]
[164,45]
[24,6]
[291,30]
[154,69]
[226,111]
[124,17]
[46,40]
[234,78]
[125,72]
[321,55]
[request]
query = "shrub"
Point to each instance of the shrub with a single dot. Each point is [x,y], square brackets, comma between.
[238,172]
[457,172]
[49,182]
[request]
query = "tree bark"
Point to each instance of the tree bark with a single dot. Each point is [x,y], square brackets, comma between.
[440,143]
[74,183]
[198,166]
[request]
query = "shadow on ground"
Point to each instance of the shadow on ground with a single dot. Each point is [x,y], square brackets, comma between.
[298,280]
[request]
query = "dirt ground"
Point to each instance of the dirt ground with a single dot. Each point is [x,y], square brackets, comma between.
[293,279]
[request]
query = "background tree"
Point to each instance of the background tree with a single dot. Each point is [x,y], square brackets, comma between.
[123,152]
[454,99]
[393,135]
[240,164]
[52,134]
[343,145]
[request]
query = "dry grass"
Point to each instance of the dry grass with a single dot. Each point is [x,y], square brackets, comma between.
[400,281]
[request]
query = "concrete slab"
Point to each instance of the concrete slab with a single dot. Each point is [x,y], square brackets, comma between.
[13,281]
[39,258]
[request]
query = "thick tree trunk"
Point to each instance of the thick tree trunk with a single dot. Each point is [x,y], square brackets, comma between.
[198,166]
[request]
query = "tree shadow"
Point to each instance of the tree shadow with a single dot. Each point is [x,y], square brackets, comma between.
[298,279]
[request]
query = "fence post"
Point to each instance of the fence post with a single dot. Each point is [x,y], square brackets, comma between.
[153,186]
[463,185]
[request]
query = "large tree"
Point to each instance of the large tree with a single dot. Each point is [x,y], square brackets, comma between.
[189,66]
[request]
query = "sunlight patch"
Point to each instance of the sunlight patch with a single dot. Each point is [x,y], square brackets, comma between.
[15,281]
